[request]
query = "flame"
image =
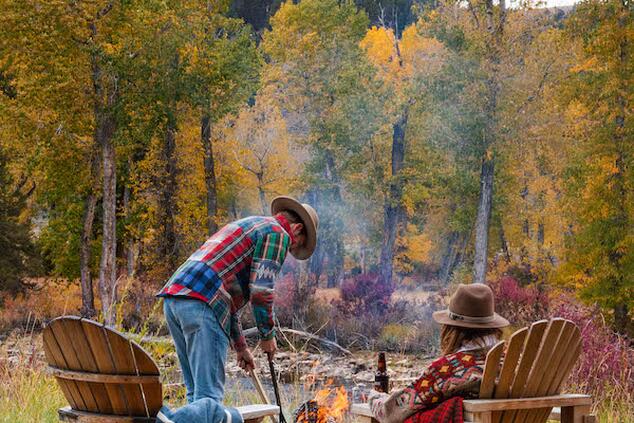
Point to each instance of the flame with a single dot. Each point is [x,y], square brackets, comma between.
[331,406]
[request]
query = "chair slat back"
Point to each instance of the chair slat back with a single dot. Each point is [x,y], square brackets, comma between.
[516,345]
[491,367]
[85,346]
[536,363]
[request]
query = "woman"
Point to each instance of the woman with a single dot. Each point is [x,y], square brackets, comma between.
[469,329]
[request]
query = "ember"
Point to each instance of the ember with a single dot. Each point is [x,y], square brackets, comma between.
[328,406]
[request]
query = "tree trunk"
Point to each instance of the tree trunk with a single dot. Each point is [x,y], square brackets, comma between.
[85,248]
[483,219]
[108,266]
[393,214]
[210,175]
[130,243]
[87,296]
[334,248]
[313,197]
[504,243]
[451,258]
[105,97]
[167,201]
[262,194]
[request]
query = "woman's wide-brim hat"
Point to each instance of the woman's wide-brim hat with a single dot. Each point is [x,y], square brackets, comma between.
[309,218]
[471,306]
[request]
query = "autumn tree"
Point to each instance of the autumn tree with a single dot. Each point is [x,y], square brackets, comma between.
[600,258]
[404,66]
[265,150]
[316,69]
[19,258]
[223,71]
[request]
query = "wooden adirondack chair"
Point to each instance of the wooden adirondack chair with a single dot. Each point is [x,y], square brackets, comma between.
[108,378]
[525,387]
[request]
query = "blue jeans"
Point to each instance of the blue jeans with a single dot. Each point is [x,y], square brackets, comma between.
[205,410]
[201,347]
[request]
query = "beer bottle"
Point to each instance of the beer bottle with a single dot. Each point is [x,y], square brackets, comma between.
[381,379]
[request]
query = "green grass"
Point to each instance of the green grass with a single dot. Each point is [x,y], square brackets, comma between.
[28,396]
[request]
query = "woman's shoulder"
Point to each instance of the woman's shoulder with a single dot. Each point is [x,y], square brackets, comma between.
[450,364]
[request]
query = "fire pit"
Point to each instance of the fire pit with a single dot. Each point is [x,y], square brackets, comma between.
[328,406]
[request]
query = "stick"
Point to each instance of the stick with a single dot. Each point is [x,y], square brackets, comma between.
[275,387]
[258,387]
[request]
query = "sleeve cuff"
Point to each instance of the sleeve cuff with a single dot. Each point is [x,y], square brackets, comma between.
[240,344]
[268,335]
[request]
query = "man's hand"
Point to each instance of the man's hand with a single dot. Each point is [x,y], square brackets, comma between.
[245,360]
[269,347]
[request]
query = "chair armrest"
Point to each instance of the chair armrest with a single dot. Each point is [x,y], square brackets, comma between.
[256,412]
[478,406]
[361,409]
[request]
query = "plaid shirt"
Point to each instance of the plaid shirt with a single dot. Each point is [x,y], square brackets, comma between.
[237,264]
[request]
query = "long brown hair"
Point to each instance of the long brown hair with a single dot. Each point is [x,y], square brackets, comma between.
[452,337]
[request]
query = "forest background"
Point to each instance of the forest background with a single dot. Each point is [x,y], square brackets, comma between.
[441,142]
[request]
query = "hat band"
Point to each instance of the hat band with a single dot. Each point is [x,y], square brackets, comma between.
[471,319]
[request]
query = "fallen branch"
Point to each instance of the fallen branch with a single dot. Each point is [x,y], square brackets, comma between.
[254,331]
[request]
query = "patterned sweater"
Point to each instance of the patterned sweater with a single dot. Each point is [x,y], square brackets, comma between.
[457,374]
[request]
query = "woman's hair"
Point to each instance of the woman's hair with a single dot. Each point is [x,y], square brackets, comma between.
[452,337]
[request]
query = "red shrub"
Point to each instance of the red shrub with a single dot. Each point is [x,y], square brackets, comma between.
[364,293]
[521,305]
[607,359]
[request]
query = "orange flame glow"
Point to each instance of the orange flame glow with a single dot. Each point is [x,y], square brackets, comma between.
[332,405]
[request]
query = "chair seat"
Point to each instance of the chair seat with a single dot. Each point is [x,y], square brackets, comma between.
[479,405]
[568,400]
[253,413]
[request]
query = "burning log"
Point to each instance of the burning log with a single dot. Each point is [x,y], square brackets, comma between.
[328,406]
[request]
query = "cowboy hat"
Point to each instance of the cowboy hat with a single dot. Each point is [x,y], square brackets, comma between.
[471,306]
[309,218]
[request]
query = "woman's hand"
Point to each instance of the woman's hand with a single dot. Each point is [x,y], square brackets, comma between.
[245,360]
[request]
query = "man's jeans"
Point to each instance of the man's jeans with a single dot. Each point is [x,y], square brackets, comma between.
[201,346]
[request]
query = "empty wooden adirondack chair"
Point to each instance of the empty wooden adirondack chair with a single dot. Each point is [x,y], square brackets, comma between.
[108,378]
[523,384]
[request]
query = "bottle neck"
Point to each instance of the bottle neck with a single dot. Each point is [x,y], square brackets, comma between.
[382,366]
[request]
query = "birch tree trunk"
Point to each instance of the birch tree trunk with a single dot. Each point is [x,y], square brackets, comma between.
[85,254]
[487,171]
[108,266]
[105,97]
[483,219]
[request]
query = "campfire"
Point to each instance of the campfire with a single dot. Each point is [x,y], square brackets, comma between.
[328,406]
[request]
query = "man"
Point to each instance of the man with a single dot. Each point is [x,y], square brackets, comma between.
[204,297]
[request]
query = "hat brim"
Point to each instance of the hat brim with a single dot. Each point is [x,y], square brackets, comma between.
[282,203]
[443,318]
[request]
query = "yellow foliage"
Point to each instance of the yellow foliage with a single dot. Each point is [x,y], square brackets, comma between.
[419,245]
[588,66]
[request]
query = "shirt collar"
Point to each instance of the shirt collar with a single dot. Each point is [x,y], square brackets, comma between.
[285,225]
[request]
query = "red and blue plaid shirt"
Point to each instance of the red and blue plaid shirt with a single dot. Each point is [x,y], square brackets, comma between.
[237,264]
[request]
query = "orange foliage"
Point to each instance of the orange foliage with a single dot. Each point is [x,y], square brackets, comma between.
[51,298]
